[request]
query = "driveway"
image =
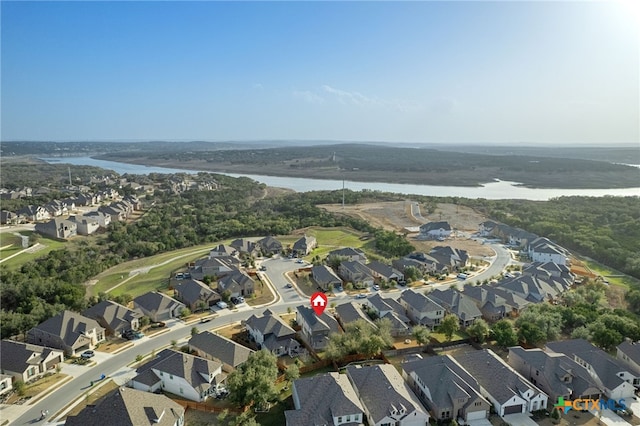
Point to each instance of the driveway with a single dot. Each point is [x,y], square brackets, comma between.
[610,418]
[521,419]
[479,422]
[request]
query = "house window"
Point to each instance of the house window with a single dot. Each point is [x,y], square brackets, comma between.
[31,372]
[348,418]
[181,391]
[339,419]
[161,373]
[171,376]
[477,404]
[537,372]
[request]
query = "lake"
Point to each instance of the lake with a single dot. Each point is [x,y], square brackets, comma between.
[493,191]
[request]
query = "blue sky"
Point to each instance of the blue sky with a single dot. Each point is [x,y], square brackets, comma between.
[432,72]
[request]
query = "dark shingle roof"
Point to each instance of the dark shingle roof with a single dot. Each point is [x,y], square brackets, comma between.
[220,348]
[69,326]
[324,275]
[129,407]
[350,312]
[382,391]
[631,349]
[116,315]
[270,323]
[156,302]
[18,356]
[323,322]
[193,290]
[322,398]
[420,302]
[433,226]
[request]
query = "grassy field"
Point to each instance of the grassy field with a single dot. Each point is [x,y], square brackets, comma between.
[332,238]
[17,261]
[614,277]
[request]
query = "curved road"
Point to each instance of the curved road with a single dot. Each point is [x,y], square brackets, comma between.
[115,366]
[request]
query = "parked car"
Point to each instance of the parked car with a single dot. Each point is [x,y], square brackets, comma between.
[87,354]
[376,287]
[288,286]
[158,324]
[361,296]
[235,300]
[222,305]
[203,320]
[263,268]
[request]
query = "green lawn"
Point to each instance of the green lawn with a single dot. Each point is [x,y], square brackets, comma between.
[607,272]
[332,238]
[459,335]
[17,261]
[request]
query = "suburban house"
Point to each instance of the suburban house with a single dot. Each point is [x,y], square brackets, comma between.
[393,311]
[8,218]
[495,303]
[556,374]
[57,208]
[326,399]
[117,214]
[237,283]
[270,332]
[128,406]
[348,253]
[158,306]
[324,277]
[216,267]
[214,347]
[57,228]
[421,264]
[245,247]
[531,288]
[508,391]
[350,312]
[34,213]
[67,331]
[356,273]
[115,318]
[385,272]
[25,362]
[629,353]
[451,257]
[421,309]
[269,246]
[304,246]
[434,230]
[196,295]
[544,250]
[457,304]
[507,234]
[86,225]
[103,219]
[188,376]
[618,378]
[223,250]
[385,397]
[315,329]
[447,389]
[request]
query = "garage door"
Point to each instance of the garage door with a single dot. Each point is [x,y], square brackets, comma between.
[476,415]
[513,409]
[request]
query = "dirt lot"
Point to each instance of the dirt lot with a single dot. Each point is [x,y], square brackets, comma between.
[396,216]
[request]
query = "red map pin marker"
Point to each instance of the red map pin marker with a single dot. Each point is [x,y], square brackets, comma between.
[318,302]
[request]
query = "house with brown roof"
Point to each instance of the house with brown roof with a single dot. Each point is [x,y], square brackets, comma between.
[67,331]
[130,407]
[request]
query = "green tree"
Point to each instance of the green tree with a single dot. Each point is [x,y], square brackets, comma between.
[185,312]
[479,330]
[359,337]
[144,321]
[18,385]
[449,326]
[503,333]
[246,418]
[254,381]
[581,332]
[292,372]
[421,334]
[194,331]
[530,334]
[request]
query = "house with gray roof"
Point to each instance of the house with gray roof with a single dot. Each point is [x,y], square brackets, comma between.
[102,218]
[270,332]
[433,230]
[304,245]
[216,267]
[130,407]
[429,264]
[158,306]
[555,273]
[186,375]
[315,329]
[8,218]
[67,331]
[446,389]
[351,312]
[324,277]
[117,214]
[356,273]
[421,309]
[508,391]
[451,257]
[495,304]
[86,225]
[556,374]
[619,380]
[385,272]
[115,318]
[25,362]
[390,309]
[195,294]
[349,253]
[406,262]
[34,213]
[457,304]
[57,228]
[269,246]
[237,283]
[245,247]
[223,250]
[217,348]
[531,288]
[325,399]
[629,353]
[544,250]
[385,396]
[507,234]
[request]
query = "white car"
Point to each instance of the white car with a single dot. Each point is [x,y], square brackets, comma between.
[222,305]
[376,287]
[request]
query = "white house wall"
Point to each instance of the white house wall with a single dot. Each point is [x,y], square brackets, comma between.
[173,384]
